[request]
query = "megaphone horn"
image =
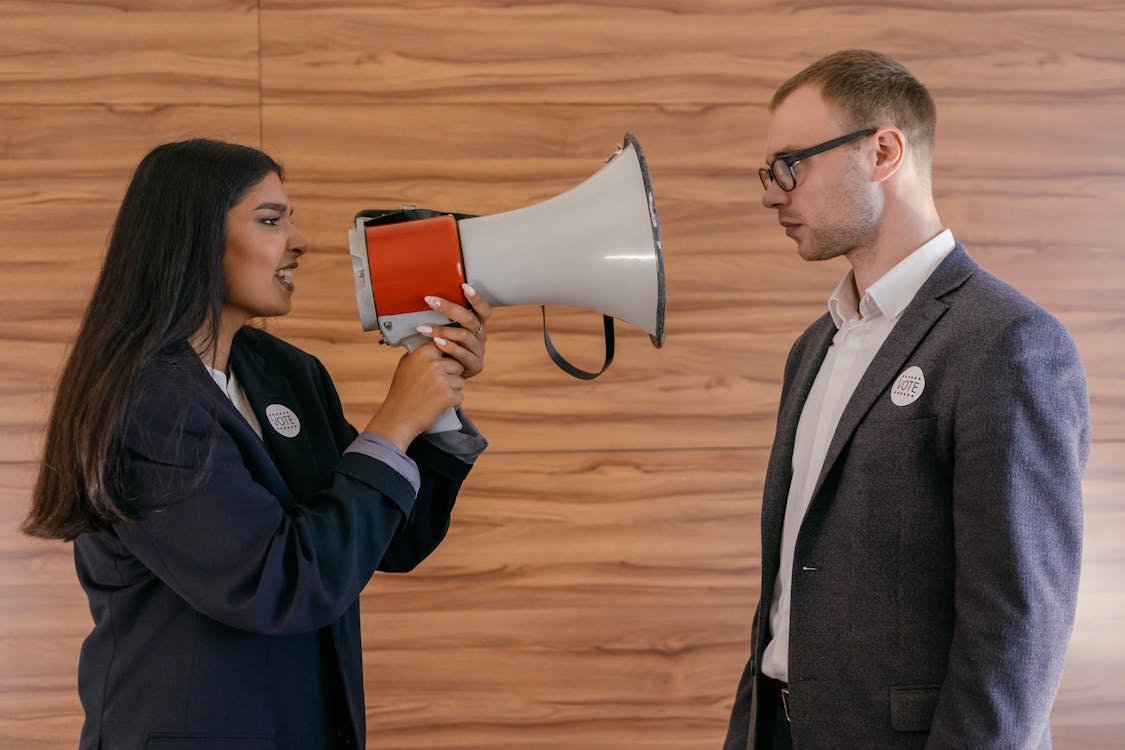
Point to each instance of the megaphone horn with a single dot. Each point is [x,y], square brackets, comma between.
[597,247]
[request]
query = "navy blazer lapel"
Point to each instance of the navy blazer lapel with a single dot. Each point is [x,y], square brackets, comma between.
[916,321]
[265,389]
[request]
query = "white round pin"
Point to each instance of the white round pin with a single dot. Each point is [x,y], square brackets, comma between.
[908,386]
[283,420]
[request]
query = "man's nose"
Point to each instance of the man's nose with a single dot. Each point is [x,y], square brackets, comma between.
[774,196]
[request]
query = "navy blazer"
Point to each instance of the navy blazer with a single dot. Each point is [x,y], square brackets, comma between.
[227,615]
[936,570]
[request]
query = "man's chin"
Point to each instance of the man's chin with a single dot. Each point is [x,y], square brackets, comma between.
[809,253]
[812,252]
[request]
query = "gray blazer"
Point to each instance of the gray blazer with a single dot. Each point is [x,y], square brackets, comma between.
[936,570]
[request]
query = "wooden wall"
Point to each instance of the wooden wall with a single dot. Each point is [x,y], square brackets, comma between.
[597,585]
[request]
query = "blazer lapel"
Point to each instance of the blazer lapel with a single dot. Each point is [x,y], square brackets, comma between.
[820,339]
[779,472]
[274,403]
[916,321]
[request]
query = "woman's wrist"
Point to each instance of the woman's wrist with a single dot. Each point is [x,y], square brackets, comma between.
[395,431]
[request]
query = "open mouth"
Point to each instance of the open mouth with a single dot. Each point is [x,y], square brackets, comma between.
[285,276]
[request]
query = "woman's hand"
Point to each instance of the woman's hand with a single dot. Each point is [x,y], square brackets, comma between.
[426,383]
[465,341]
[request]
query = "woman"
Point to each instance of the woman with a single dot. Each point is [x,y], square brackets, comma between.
[225,515]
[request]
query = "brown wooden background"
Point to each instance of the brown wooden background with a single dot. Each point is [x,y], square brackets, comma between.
[597,585]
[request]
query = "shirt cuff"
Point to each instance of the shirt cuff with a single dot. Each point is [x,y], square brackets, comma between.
[465,444]
[381,449]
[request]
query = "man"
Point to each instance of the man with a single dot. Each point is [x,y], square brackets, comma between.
[922,513]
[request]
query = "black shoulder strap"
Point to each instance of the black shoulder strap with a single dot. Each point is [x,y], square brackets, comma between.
[570,369]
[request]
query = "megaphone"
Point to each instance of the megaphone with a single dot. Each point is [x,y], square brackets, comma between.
[597,247]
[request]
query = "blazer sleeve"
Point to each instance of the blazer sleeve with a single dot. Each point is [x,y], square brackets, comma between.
[1021,440]
[231,548]
[441,478]
[441,474]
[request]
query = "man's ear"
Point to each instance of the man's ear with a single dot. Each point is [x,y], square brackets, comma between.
[890,152]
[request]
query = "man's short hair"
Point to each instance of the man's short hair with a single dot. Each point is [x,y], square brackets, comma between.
[870,89]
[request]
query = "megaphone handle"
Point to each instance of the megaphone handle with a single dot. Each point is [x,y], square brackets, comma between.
[447,421]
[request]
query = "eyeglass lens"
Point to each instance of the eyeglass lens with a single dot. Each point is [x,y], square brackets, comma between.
[783,174]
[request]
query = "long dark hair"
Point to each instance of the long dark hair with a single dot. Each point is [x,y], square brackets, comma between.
[161,284]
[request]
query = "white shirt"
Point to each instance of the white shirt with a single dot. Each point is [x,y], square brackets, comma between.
[862,327]
[230,386]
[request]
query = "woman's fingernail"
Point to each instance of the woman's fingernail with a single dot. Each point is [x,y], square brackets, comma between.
[433,302]
[469,290]
[440,341]
[424,329]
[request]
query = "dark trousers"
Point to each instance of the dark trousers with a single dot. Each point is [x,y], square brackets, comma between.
[774,731]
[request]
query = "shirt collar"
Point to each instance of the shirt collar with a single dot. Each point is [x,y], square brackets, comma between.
[891,294]
[227,383]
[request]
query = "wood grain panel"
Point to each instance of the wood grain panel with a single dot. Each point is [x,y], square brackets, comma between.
[43,620]
[595,591]
[639,52]
[1007,174]
[605,52]
[129,51]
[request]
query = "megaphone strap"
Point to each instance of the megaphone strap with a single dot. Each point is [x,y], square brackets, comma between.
[570,369]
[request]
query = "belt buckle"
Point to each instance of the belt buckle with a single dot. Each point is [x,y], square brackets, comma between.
[785,703]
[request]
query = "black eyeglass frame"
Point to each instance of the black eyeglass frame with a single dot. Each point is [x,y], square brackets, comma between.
[769,174]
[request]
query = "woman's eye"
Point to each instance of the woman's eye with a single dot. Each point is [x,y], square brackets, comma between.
[272,221]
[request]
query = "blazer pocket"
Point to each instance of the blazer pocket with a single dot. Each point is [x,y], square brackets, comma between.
[913,706]
[169,741]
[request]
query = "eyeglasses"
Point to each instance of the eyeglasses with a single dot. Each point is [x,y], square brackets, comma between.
[781,170]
